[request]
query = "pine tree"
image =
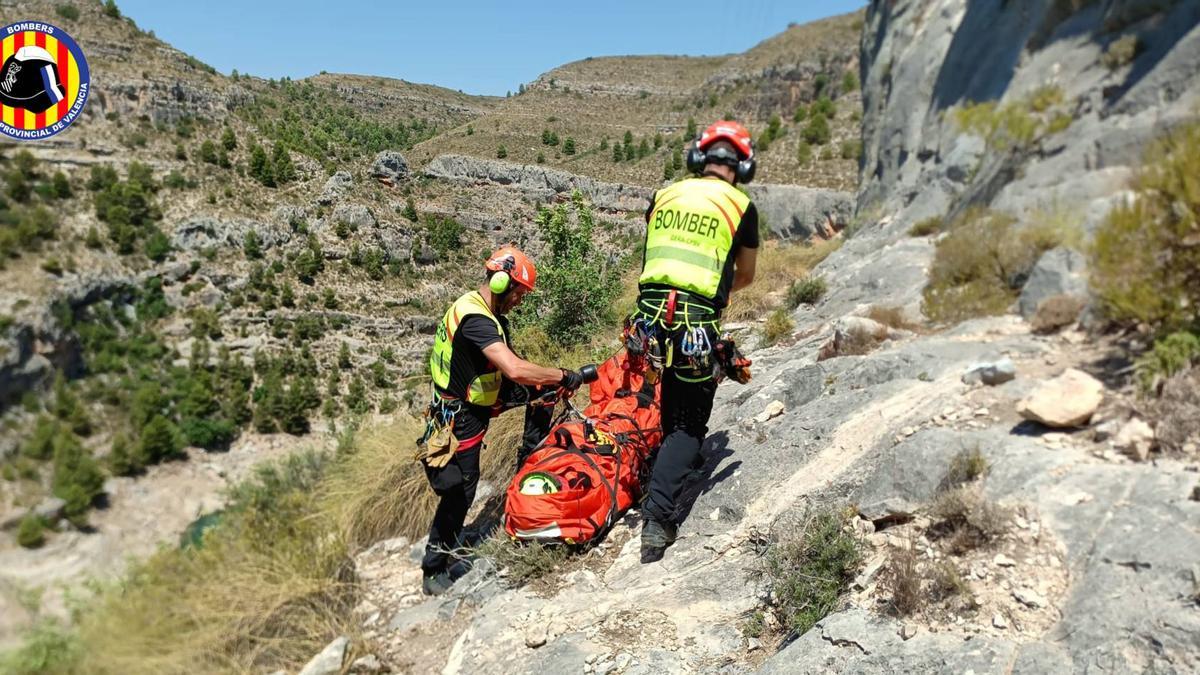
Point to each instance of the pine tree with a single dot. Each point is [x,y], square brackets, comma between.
[677,159]
[284,170]
[617,154]
[122,459]
[111,10]
[286,297]
[356,397]
[800,113]
[260,167]
[691,129]
[604,143]
[159,441]
[251,245]
[501,152]
[817,131]
[333,383]
[668,169]
[804,153]
[294,419]
[410,210]
[630,153]
[569,146]
[628,137]
[228,140]
[343,359]
[77,477]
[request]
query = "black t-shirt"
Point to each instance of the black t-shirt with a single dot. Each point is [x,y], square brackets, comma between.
[746,236]
[474,333]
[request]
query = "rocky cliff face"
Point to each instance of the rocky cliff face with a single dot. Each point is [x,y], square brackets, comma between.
[1125,72]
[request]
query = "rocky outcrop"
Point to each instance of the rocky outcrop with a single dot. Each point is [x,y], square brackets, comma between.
[791,211]
[207,231]
[795,211]
[389,167]
[537,181]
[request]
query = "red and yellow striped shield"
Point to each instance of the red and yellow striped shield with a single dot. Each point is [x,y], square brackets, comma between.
[65,78]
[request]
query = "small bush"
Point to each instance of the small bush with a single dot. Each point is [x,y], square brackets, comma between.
[806,291]
[777,328]
[966,466]
[966,520]
[817,132]
[926,227]
[32,532]
[948,583]
[1144,257]
[1170,355]
[501,152]
[522,562]
[979,267]
[1121,52]
[851,149]
[809,571]
[68,12]
[1014,125]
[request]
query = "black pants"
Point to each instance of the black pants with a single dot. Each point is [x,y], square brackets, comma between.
[456,482]
[686,407]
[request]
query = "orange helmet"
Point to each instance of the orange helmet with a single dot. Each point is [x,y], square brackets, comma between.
[730,131]
[514,266]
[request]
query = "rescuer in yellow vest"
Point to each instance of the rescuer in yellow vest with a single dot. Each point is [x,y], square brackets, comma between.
[474,371]
[701,245]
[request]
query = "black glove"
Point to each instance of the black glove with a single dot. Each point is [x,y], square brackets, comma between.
[571,380]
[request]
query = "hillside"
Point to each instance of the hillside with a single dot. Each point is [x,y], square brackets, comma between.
[596,101]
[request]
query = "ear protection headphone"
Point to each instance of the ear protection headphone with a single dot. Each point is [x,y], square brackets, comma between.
[501,281]
[743,169]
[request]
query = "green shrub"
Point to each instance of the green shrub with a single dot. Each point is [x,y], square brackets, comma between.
[849,81]
[979,267]
[800,114]
[1170,355]
[810,570]
[777,328]
[40,444]
[817,132]
[46,648]
[68,12]
[806,291]
[159,440]
[122,459]
[1017,124]
[825,107]
[77,478]
[501,152]
[1144,257]
[851,149]
[32,532]
[577,285]
[444,234]
[804,152]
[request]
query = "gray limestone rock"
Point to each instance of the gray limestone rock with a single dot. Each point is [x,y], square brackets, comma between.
[389,167]
[329,661]
[356,216]
[1059,271]
[337,186]
[794,211]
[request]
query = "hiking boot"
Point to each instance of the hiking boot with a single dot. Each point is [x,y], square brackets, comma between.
[436,584]
[459,569]
[656,537]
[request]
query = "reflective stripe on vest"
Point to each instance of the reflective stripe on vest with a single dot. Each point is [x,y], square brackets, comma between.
[484,389]
[690,233]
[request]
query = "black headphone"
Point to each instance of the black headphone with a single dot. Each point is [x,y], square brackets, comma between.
[743,169]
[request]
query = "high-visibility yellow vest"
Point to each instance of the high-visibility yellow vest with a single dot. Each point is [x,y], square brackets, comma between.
[690,233]
[484,389]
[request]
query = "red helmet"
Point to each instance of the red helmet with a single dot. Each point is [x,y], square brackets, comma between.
[519,267]
[728,130]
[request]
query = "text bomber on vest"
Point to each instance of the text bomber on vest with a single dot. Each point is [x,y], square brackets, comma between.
[682,220]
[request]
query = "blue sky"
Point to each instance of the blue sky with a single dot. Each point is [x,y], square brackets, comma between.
[478,47]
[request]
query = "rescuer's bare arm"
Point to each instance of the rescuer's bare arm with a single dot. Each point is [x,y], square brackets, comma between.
[518,369]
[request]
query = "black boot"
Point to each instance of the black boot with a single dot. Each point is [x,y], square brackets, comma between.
[436,584]
[656,537]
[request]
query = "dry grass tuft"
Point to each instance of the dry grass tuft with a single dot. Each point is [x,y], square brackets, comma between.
[520,562]
[892,317]
[780,264]
[966,466]
[966,520]
[902,580]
